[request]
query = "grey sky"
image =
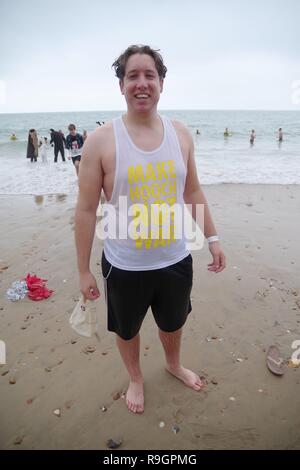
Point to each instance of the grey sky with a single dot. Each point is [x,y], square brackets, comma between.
[57,56]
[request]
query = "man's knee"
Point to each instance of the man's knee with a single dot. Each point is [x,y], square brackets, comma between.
[169,333]
[127,338]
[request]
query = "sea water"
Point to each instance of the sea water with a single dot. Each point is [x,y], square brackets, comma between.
[219,159]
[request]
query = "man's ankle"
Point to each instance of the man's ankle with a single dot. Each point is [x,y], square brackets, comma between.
[137,379]
[173,366]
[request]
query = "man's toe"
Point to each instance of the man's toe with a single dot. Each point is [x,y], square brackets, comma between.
[129,405]
[197,386]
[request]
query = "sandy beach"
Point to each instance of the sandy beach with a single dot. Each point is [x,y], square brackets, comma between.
[236,315]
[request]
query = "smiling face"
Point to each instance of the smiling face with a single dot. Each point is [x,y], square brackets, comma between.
[72,129]
[141,84]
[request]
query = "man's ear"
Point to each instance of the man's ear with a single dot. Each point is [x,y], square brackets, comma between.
[121,85]
[161,85]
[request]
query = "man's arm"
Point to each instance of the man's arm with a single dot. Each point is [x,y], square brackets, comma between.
[194,195]
[90,185]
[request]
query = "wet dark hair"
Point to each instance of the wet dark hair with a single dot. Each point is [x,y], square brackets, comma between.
[119,64]
[32,130]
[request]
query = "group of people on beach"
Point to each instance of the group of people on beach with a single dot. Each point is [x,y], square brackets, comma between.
[73,142]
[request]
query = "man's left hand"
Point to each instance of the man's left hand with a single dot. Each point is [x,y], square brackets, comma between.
[219,260]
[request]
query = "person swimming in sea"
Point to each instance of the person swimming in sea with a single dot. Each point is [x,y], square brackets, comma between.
[13,137]
[227,133]
[252,137]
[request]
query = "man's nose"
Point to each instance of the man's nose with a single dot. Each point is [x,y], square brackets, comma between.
[142,81]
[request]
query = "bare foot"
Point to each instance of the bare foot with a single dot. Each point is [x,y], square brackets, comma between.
[135,397]
[188,377]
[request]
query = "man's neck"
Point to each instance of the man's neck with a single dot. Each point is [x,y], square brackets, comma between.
[140,119]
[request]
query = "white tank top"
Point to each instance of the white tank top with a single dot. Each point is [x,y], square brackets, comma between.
[145,178]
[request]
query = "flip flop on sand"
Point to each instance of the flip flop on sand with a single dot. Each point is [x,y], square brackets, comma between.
[274,361]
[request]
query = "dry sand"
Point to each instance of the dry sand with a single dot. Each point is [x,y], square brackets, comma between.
[254,303]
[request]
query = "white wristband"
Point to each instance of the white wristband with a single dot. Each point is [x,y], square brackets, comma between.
[212,239]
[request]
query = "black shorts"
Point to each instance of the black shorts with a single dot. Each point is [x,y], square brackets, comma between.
[76,159]
[129,294]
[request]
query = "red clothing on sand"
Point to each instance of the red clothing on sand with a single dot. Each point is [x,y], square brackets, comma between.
[37,288]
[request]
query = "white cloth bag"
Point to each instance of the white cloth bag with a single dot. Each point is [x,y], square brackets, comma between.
[83,320]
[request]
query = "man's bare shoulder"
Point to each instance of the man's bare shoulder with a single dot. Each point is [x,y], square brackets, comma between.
[99,142]
[101,134]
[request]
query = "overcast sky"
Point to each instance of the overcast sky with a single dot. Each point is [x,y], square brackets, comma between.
[234,54]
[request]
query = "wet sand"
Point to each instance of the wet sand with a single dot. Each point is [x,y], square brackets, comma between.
[236,315]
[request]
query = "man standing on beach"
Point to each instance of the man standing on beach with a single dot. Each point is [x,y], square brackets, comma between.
[149,160]
[74,143]
[59,141]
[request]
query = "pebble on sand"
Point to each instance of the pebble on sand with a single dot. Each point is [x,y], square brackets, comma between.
[114,443]
[294,363]
[89,349]
[211,338]
[18,440]
[57,412]
[175,429]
